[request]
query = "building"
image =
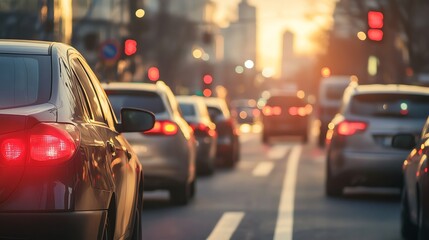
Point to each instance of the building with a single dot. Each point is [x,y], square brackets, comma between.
[240,36]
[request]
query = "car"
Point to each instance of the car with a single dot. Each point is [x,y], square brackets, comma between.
[167,151]
[195,112]
[228,143]
[330,95]
[285,114]
[66,171]
[359,151]
[415,191]
[245,111]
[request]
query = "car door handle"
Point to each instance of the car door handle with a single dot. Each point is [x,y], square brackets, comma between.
[111,147]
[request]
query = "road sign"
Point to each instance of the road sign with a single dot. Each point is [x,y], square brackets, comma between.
[110,50]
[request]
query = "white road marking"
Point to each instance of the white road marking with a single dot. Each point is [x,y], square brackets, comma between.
[226,226]
[263,169]
[278,152]
[284,225]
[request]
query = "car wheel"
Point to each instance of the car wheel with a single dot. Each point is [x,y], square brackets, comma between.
[322,137]
[109,226]
[423,231]
[305,137]
[332,187]
[193,188]
[137,228]
[408,229]
[265,138]
[181,194]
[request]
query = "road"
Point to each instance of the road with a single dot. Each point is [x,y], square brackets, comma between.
[275,192]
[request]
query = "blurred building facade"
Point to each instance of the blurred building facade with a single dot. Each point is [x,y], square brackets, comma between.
[240,36]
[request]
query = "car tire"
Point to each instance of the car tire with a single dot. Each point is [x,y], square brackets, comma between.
[408,228]
[305,137]
[322,137]
[332,187]
[109,225]
[137,228]
[193,188]
[423,231]
[265,138]
[180,195]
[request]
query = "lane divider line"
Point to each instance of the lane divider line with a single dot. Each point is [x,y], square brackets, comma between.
[278,152]
[226,226]
[284,225]
[263,169]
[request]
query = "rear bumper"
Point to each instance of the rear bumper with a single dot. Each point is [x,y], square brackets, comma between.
[368,169]
[52,225]
[291,126]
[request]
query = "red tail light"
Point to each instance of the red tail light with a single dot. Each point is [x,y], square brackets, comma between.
[267,111]
[45,143]
[13,150]
[348,128]
[166,128]
[272,111]
[202,128]
[301,111]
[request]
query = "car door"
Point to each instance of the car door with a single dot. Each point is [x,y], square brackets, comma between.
[122,152]
[109,164]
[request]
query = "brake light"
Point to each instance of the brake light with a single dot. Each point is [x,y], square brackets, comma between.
[46,143]
[301,111]
[13,150]
[202,128]
[267,111]
[272,111]
[166,127]
[348,128]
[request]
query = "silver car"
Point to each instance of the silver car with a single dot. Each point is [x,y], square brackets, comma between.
[359,138]
[168,150]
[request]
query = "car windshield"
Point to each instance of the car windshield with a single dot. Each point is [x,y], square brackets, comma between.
[24,80]
[390,105]
[135,99]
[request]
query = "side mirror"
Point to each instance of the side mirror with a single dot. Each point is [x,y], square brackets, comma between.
[404,141]
[136,120]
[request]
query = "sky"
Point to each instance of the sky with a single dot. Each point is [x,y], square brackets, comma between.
[302,17]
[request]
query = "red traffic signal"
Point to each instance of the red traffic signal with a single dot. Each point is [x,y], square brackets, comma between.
[153,74]
[130,47]
[375,24]
[208,79]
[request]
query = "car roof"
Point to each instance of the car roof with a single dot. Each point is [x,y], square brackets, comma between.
[133,86]
[189,99]
[25,47]
[390,88]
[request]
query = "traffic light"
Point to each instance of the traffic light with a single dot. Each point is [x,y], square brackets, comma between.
[130,47]
[153,74]
[375,25]
[207,82]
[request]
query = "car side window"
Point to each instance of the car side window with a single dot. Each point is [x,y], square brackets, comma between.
[104,101]
[81,106]
[89,91]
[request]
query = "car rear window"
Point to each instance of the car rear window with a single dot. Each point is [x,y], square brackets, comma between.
[24,80]
[144,100]
[285,101]
[335,92]
[390,105]
[187,109]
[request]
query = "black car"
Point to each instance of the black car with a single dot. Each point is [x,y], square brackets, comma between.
[66,172]
[228,142]
[415,192]
[285,114]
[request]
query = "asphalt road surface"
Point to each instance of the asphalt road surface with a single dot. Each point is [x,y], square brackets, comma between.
[275,192]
